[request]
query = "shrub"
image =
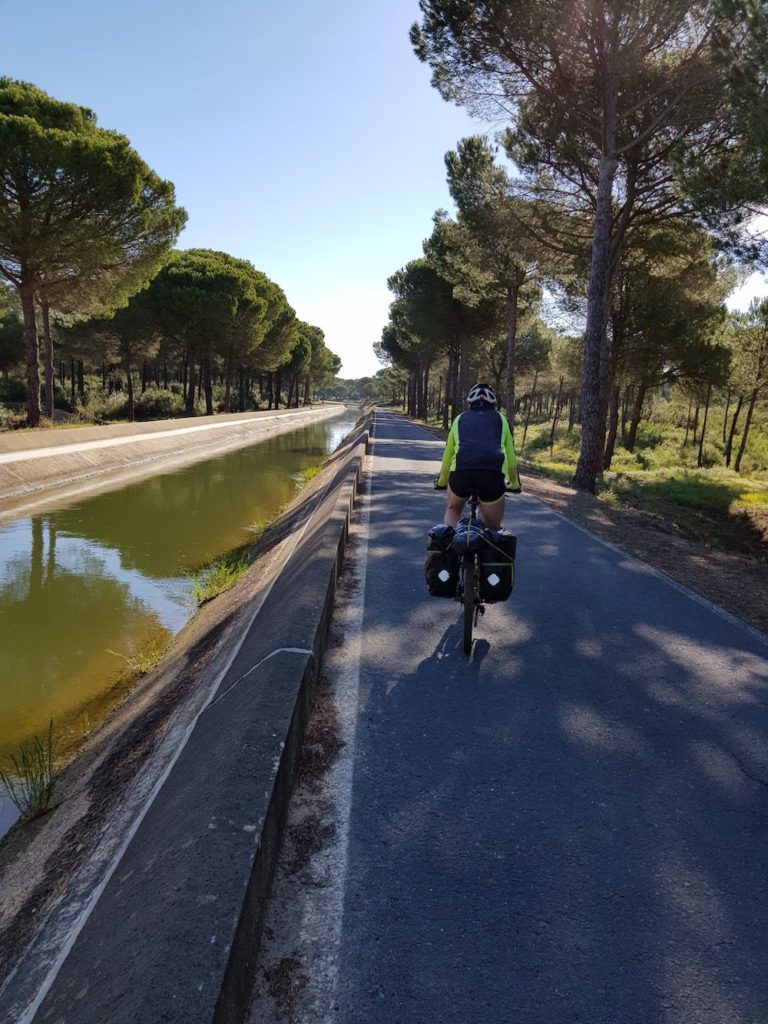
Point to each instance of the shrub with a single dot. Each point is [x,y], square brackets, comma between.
[103,408]
[12,419]
[13,390]
[158,404]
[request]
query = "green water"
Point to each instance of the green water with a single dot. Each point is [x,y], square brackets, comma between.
[109,576]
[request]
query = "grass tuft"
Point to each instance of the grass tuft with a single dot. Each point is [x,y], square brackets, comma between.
[31,779]
[217,578]
[147,657]
[309,473]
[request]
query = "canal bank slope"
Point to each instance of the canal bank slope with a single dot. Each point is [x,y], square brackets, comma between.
[36,465]
[174,809]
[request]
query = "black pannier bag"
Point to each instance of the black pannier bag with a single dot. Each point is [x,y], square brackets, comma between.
[468,537]
[497,565]
[442,564]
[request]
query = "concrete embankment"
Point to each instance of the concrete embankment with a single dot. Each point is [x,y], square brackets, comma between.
[162,920]
[35,464]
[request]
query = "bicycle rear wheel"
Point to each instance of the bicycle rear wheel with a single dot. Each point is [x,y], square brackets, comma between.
[469,601]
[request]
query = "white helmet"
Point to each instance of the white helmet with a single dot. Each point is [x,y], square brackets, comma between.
[481,393]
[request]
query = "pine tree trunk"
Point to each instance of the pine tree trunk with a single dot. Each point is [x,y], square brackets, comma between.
[696,420]
[700,459]
[270,390]
[278,387]
[449,390]
[747,424]
[509,397]
[189,406]
[613,428]
[528,410]
[463,381]
[81,380]
[732,431]
[624,411]
[598,292]
[50,373]
[72,382]
[637,410]
[243,394]
[555,415]
[27,294]
[207,386]
[228,384]
[129,388]
[688,422]
[725,416]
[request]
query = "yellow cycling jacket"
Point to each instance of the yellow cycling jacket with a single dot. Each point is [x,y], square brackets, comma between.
[480,439]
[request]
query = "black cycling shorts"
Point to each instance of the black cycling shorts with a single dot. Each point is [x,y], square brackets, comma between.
[487,484]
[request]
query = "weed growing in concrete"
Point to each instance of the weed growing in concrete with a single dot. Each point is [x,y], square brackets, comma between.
[217,577]
[147,657]
[31,779]
[309,473]
[260,526]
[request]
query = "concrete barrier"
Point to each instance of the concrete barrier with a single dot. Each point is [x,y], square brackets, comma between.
[174,931]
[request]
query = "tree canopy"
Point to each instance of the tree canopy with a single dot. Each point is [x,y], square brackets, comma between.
[603,101]
[84,222]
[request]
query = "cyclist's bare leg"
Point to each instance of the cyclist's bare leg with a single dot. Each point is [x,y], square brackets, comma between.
[453,508]
[492,514]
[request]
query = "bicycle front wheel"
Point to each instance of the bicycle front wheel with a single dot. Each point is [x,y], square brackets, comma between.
[469,601]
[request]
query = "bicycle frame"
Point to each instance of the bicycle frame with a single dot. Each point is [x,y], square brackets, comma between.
[468,589]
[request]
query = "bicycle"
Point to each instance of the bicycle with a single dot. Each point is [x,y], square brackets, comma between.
[468,589]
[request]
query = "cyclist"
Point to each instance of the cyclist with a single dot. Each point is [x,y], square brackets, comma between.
[479,455]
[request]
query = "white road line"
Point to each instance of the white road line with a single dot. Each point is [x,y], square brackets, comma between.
[82,918]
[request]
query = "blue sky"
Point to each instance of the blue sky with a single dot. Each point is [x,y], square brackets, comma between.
[302,136]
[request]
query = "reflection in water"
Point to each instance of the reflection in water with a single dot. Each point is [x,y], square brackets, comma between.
[108,573]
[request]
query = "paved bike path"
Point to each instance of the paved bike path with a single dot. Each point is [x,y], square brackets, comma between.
[572,826]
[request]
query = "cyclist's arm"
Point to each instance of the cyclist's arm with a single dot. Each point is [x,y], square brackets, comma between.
[510,458]
[448,454]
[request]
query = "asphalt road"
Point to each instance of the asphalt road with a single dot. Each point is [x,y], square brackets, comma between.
[570,826]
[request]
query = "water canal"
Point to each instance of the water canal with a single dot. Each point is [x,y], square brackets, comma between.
[95,581]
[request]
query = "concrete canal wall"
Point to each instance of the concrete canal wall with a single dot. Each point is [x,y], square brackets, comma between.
[34,464]
[168,899]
